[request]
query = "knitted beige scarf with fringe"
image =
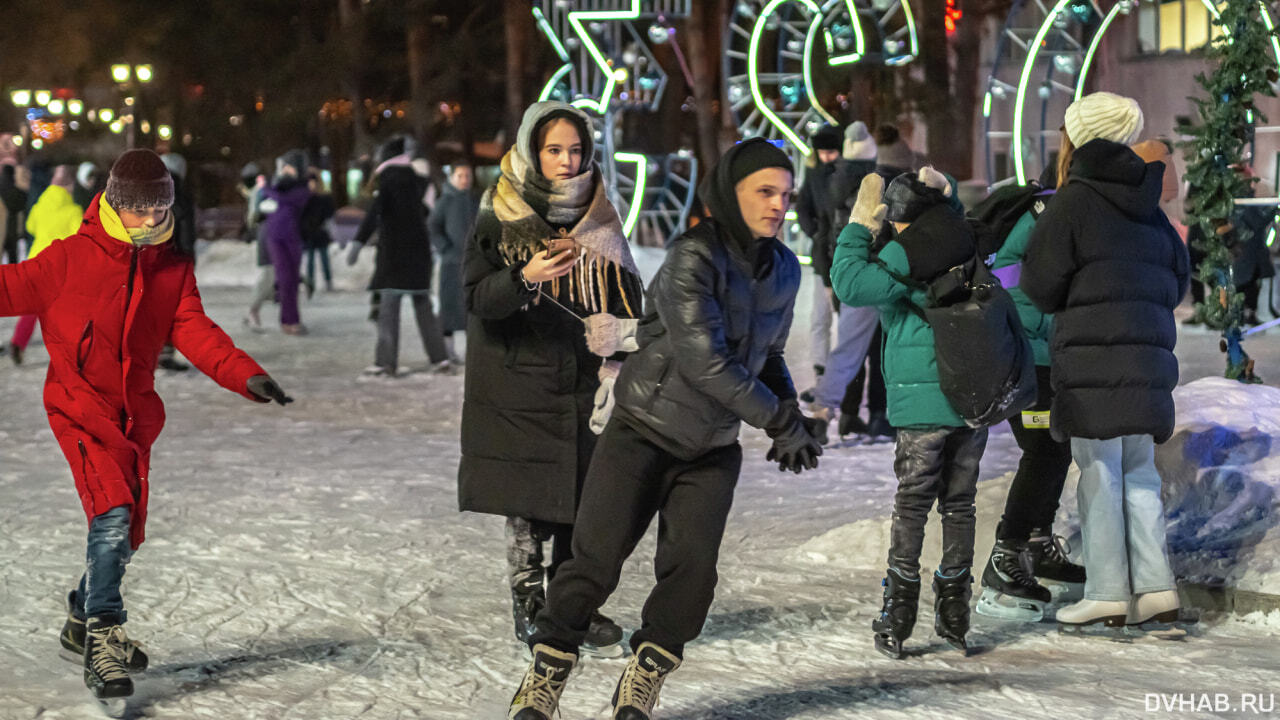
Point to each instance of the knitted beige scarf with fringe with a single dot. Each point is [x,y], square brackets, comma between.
[602,246]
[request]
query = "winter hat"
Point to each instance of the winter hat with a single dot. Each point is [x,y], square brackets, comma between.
[296,159]
[753,156]
[139,181]
[827,138]
[908,197]
[858,143]
[896,155]
[176,164]
[719,190]
[1106,116]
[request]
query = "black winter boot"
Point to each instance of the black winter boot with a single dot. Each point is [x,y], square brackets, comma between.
[528,597]
[898,614]
[951,607]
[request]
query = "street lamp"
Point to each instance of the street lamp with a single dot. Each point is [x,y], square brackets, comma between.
[20,98]
[75,107]
[143,73]
[43,97]
[117,127]
[56,106]
[165,132]
[106,115]
[120,73]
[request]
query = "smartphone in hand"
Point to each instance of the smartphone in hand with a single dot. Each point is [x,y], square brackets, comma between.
[556,246]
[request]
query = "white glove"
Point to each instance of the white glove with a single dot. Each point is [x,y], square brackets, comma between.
[608,334]
[266,206]
[935,180]
[868,211]
[604,395]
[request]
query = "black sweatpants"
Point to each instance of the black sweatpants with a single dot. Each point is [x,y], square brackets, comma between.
[877,396]
[937,464]
[1042,471]
[629,481]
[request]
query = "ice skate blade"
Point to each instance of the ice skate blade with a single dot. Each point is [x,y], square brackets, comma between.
[615,650]
[113,707]
[1001,606]
[888,645]
[958,644]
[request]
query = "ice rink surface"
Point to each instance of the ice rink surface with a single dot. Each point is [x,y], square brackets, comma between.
[309,562]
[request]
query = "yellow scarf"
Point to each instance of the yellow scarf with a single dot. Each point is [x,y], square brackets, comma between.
[114,226]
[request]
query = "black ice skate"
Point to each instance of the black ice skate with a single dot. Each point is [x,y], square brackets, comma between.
[851,424]
[527,599]
[539,695]
[951,607]
[604,638]
[637,691]
[72,640]
[1050,561]
[105,673]
[1010,592]
[879,430]
[898,614]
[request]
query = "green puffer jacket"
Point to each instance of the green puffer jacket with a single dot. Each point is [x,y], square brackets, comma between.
[1038,325]
[910,364]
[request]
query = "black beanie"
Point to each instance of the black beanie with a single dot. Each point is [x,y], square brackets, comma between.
[139,181]
[719,191]
[907,198]
[827,138]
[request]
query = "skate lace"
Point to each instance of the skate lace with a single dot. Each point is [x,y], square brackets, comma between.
[1056,550]
[640,688]
[1020,567]
[110,649]
[542,692]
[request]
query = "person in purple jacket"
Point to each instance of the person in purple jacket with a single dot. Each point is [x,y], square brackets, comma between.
[282,204]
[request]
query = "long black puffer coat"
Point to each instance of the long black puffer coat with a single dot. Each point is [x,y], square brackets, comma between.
[530,390]
[404,248]
[1105,259]
[711,346]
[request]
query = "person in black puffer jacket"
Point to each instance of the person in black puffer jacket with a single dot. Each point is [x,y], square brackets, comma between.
[710,357]
[1106,260]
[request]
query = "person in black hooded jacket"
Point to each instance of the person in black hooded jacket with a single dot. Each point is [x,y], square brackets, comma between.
[1104,258]
[710,356]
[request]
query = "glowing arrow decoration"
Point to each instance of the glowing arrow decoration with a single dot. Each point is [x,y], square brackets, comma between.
[612,76]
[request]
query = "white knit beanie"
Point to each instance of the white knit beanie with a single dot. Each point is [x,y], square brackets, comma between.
[1104,115]
[858,143]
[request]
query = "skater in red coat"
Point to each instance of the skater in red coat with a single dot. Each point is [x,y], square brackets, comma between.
[108,298]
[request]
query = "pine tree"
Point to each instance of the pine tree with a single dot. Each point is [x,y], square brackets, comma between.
[1244,67]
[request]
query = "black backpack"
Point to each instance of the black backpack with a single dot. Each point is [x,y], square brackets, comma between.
[993,218]
[985,364]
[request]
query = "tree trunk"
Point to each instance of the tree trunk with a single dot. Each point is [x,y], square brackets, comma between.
[516,20]
[418,37]
[968,53]
[704,60]
[352,30]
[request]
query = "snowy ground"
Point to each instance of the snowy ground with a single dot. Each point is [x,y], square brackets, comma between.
[309,562]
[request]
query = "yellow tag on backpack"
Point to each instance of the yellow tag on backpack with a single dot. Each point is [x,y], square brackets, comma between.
[1035,419]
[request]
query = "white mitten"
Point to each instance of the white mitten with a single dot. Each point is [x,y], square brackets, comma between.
[604,395]
[608,334]
[868,211]
[935,180]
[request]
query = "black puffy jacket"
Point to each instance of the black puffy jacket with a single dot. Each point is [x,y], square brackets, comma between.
[711,346]
[1105,259]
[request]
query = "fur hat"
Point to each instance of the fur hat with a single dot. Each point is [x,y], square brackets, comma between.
[1104,115]
[139,181]
[909,196]
[858,143]
[827,138]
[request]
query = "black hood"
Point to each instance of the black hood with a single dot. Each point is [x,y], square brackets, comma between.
[937,241]
[719,196]
[1116,173]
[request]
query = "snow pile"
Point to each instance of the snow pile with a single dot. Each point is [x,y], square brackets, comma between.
[1221,482]
[1221,492]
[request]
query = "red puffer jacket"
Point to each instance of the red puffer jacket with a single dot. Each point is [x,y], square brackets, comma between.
[106,308]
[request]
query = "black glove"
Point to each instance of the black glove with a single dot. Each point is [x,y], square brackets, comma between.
[267,389]
[795,446]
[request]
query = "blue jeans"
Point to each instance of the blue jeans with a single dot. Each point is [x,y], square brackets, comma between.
[1121,517]
[855,326]
[98,595]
